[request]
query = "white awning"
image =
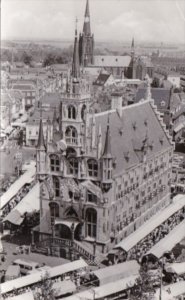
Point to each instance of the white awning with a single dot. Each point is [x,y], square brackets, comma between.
[94,189]
[67,223]
[27,177]
[178,268]
[25,296]
[169,241]
[113,273]
[64,287]
[106,289]
[28,280]
[29,204]
[134,238]
[171,291]
[14,218]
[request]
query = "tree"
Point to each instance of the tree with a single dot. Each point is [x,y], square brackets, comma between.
[49,60]
[26,58]
[46,291]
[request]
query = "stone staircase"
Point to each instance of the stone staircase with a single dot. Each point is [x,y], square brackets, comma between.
[78,248]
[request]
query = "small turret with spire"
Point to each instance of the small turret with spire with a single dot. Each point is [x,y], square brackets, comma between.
[75,64]
[41,151]
[107,161]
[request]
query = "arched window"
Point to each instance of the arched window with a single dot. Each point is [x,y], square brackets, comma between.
[71,112]
[54,163]
[56,185]
[92,167]
[71,135]
[54,209]
[91,222]
[73,166]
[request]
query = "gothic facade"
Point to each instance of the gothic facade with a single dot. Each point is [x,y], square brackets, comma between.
[101,175]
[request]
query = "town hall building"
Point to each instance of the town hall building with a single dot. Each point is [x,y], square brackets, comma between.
[101,175]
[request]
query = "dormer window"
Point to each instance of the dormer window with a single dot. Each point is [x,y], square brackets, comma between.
[146,122]
[134,125]
[126,156]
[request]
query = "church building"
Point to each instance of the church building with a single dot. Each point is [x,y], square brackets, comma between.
[101,175]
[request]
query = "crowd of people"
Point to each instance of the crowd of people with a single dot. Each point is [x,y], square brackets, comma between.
[155,236]
[16,199]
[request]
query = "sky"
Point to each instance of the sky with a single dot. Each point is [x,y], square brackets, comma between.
[111,20]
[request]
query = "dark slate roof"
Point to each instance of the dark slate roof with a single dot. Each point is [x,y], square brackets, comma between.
[101,80]
[161,96]
[127,140]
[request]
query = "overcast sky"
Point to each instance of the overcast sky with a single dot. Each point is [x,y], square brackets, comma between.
[118,20]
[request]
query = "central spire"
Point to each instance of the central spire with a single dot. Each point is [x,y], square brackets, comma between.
[86,27]
[75,64]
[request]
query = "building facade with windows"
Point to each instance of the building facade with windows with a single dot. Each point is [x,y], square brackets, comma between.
[101,175]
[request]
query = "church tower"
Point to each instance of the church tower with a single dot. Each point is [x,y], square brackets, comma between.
[86,41]
[131,72]
[75,105]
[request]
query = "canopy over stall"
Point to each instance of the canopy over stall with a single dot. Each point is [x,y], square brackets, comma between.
[168,242]
[64,287]
[176,268]
[117,272]
[28,280]
[106,289]
[171,291]
[25,296]
[27,177]
[28,204]
[134,238]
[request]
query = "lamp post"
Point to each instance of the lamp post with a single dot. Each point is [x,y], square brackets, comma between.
[72,239]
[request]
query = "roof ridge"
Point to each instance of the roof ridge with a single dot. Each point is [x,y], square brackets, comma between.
[123,108]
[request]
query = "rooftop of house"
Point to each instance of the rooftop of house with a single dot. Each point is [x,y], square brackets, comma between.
[45,114]
[161,96]
[102,79]
[136,130]
[111,61]
[23,87]
[51,99]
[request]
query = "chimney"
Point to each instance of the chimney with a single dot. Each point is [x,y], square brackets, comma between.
[116,102]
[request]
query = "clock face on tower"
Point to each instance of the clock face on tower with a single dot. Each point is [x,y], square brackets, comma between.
[86,19]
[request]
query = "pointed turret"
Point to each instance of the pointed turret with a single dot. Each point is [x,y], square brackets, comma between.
[107,162]
[107,147]
[75,64]
[87,27]
[41,142]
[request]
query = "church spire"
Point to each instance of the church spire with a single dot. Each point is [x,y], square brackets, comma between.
[86,27]
[41,142]
[107,147]
[132,48]
[75,64]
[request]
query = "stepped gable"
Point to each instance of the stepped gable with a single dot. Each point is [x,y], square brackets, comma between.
[138,128]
